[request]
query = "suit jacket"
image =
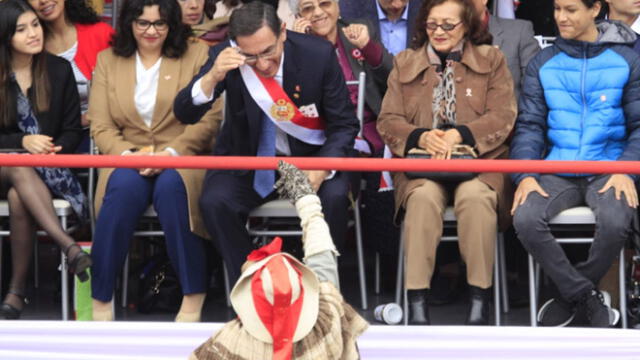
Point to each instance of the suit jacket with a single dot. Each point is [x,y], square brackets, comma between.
[376,80]
[367,9]
[311,70]
[116,125]
[515,39]
[62,120]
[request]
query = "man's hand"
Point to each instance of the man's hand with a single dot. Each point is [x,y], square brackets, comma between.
[228,59]
[526,186]
[622,184]
[357,34]
[316,177]
[40,144]
[302,25]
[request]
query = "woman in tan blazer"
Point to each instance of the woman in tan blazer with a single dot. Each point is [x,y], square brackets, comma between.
[130,111]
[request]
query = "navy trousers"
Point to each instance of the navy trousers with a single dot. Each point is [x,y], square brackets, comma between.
[227,199]
[126,198]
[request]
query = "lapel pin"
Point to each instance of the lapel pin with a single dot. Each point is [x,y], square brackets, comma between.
[297,87]
[603,98]
[468,92]
[296,96]
[167,77]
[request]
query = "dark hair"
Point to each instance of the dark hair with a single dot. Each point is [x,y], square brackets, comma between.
[177,41]
[80,12]
[10,11]
[591,3]
[477,34]
[251,17]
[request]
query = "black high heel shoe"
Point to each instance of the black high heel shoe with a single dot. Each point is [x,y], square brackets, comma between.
[10,312]
[80,262]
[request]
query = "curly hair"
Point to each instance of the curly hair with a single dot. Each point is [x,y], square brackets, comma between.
[175,45]
[475,32]
[80,12]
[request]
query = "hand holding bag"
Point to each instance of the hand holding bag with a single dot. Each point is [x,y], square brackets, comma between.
[458,152]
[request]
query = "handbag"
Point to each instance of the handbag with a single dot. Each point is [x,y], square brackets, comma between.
[159,287]
[458,152]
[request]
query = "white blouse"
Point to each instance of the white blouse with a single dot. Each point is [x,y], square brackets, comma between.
[146,89]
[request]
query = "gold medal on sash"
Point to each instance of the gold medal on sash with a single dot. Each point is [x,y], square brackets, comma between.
[282,110]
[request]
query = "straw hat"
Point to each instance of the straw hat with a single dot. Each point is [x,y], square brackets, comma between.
[276,297]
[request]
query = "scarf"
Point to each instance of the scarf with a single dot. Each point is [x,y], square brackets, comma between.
[444,94]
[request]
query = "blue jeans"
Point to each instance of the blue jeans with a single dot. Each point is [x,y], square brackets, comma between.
[612,229]
[127,196]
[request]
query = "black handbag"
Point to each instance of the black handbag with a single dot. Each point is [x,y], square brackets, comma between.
[458,152]
[159,287]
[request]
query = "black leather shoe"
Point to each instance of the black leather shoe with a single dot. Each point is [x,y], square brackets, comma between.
[10,312]
[418,309]
[478,306]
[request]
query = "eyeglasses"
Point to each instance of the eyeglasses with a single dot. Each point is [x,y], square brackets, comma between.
[265,55]
[144,25]
[309,8]
[444,26]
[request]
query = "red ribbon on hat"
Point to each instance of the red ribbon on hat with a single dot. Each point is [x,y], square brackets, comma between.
[271,248]
[281,317]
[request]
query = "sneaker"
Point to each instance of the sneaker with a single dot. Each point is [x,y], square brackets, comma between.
[598,312]
[556,312]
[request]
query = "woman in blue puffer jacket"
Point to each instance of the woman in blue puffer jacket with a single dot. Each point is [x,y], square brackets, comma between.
[580,101]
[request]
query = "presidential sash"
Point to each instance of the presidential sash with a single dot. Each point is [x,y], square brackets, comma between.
[278,107]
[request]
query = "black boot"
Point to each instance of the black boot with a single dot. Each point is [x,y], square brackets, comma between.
[418,310]
[478,306]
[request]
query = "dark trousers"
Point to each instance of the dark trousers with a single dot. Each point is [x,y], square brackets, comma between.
[126,198]
[227,199]
[613,226]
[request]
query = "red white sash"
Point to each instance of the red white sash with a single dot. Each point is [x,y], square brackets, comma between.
[386,184]
[278,107]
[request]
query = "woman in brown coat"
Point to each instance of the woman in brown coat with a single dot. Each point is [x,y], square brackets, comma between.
[450,89]
[131,113]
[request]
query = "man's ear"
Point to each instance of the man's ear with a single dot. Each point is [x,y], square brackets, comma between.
[283,31]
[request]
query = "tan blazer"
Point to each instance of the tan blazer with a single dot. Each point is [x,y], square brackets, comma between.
[485,103]
[116,125]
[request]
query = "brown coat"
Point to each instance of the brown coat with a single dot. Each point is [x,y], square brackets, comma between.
[485,103]
[116,125]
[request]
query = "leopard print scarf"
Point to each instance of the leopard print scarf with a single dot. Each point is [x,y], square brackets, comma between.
[444,95]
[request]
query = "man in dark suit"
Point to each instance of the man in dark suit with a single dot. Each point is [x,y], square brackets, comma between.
[394,19]
[514,37]
[285,95]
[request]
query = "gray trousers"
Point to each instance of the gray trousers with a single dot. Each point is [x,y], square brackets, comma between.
[613,226]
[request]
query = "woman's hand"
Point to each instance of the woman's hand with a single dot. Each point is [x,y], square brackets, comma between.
[302,25]
[40,144]
[153,172]
[357,34]
[439,143]
[622,184]
[526,186]
[316,177]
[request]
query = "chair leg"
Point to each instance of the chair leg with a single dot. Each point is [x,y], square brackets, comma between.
[226,283]
[400,272]
[361,268]
[504,287]
[533,306]
[125,282]
[623,288]
[496,285]
[377,273]
[64,276]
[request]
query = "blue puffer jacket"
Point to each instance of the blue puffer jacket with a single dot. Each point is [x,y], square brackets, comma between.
[581,101]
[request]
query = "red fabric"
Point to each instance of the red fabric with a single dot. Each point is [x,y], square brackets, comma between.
[277,93]
[266,251]
[281,318]
[92,39]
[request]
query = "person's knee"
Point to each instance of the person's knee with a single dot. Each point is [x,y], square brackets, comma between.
[525,221]
[125,182]
[168,186]
[475,195]
[215,199]
[615,225]
[425,198]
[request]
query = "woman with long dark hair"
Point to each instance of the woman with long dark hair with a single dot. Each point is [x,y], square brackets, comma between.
[131,113]
[39,113]
[74,32]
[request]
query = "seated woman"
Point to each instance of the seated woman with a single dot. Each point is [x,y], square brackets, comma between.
[357,51]
[580,101]
[314,322]
[74,32]
[450,88]
[39,114]
[131,113]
